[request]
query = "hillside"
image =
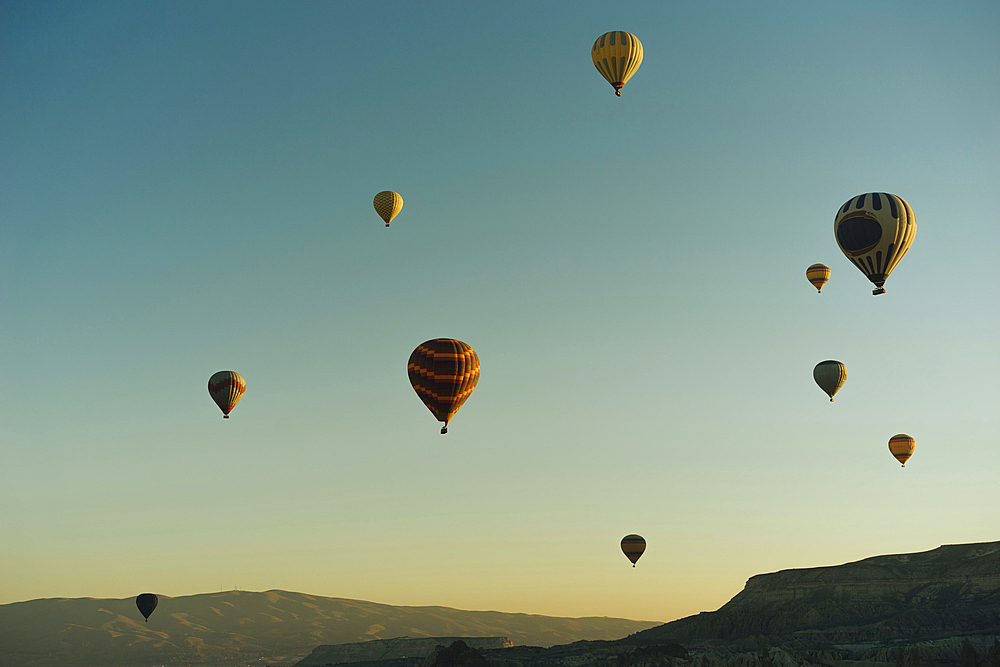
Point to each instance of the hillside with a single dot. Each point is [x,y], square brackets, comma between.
[947,591]
[239,627]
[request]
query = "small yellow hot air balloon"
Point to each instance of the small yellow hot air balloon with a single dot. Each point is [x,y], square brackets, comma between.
[901,446]
[818,274]
[617,55]
[388,205]
[632,547]
[226,389]
[830,375]
[874,231]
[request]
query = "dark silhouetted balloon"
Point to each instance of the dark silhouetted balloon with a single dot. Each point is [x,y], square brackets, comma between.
[443,372]
[830,375]
[632,547]
[146,604]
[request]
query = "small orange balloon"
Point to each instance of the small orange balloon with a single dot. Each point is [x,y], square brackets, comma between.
[901,446]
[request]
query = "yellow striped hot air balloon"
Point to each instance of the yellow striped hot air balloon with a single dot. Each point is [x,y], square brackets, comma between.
[617,55]
[830,375]
[818,274]
[443,372]
[874,231]
[633,546]
[902,446]
[388,204]
[226,389]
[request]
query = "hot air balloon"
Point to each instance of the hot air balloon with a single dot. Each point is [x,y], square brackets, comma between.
[617,55]
[875,230]
[443,372]
[226,389]
[818,274]
[388,205]
[902,447]
[146,604]
[632,547]
[830,376]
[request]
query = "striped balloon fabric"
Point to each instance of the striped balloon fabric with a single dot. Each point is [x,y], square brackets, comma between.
[443,372]
[617,55]
[632,547]
[388,204]
[818,274]
[902,446]
[226,389]
[874,231]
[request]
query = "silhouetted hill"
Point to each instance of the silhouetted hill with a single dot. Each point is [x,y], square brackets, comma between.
[240,627]
[942,592]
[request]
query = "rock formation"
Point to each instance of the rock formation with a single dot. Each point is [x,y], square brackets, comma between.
[394,649]
[459,654]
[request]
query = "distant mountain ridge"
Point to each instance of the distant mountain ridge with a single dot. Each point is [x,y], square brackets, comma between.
[240,627]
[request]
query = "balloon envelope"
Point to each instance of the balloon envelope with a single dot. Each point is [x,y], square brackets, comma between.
[830,375]
[443,372]
[617,55]
[388,204]
[632,547]
[874,231]
[146,604]
[818,274]
[901,446]
[226,389]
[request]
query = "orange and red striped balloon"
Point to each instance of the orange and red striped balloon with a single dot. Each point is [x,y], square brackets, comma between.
[818,274]
[632,547]
[443,372]
[901,446]
[226,389]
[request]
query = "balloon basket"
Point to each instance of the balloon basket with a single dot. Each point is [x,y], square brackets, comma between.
[880,290]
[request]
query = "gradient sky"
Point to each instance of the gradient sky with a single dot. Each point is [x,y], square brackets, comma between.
[186,187]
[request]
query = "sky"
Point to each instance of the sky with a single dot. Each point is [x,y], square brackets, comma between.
[186,187]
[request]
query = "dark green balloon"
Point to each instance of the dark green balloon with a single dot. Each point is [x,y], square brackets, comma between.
[146,604]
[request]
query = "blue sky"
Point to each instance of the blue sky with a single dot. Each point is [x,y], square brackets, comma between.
[186,188]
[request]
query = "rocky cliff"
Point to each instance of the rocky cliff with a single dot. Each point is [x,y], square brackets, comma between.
[950,590]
